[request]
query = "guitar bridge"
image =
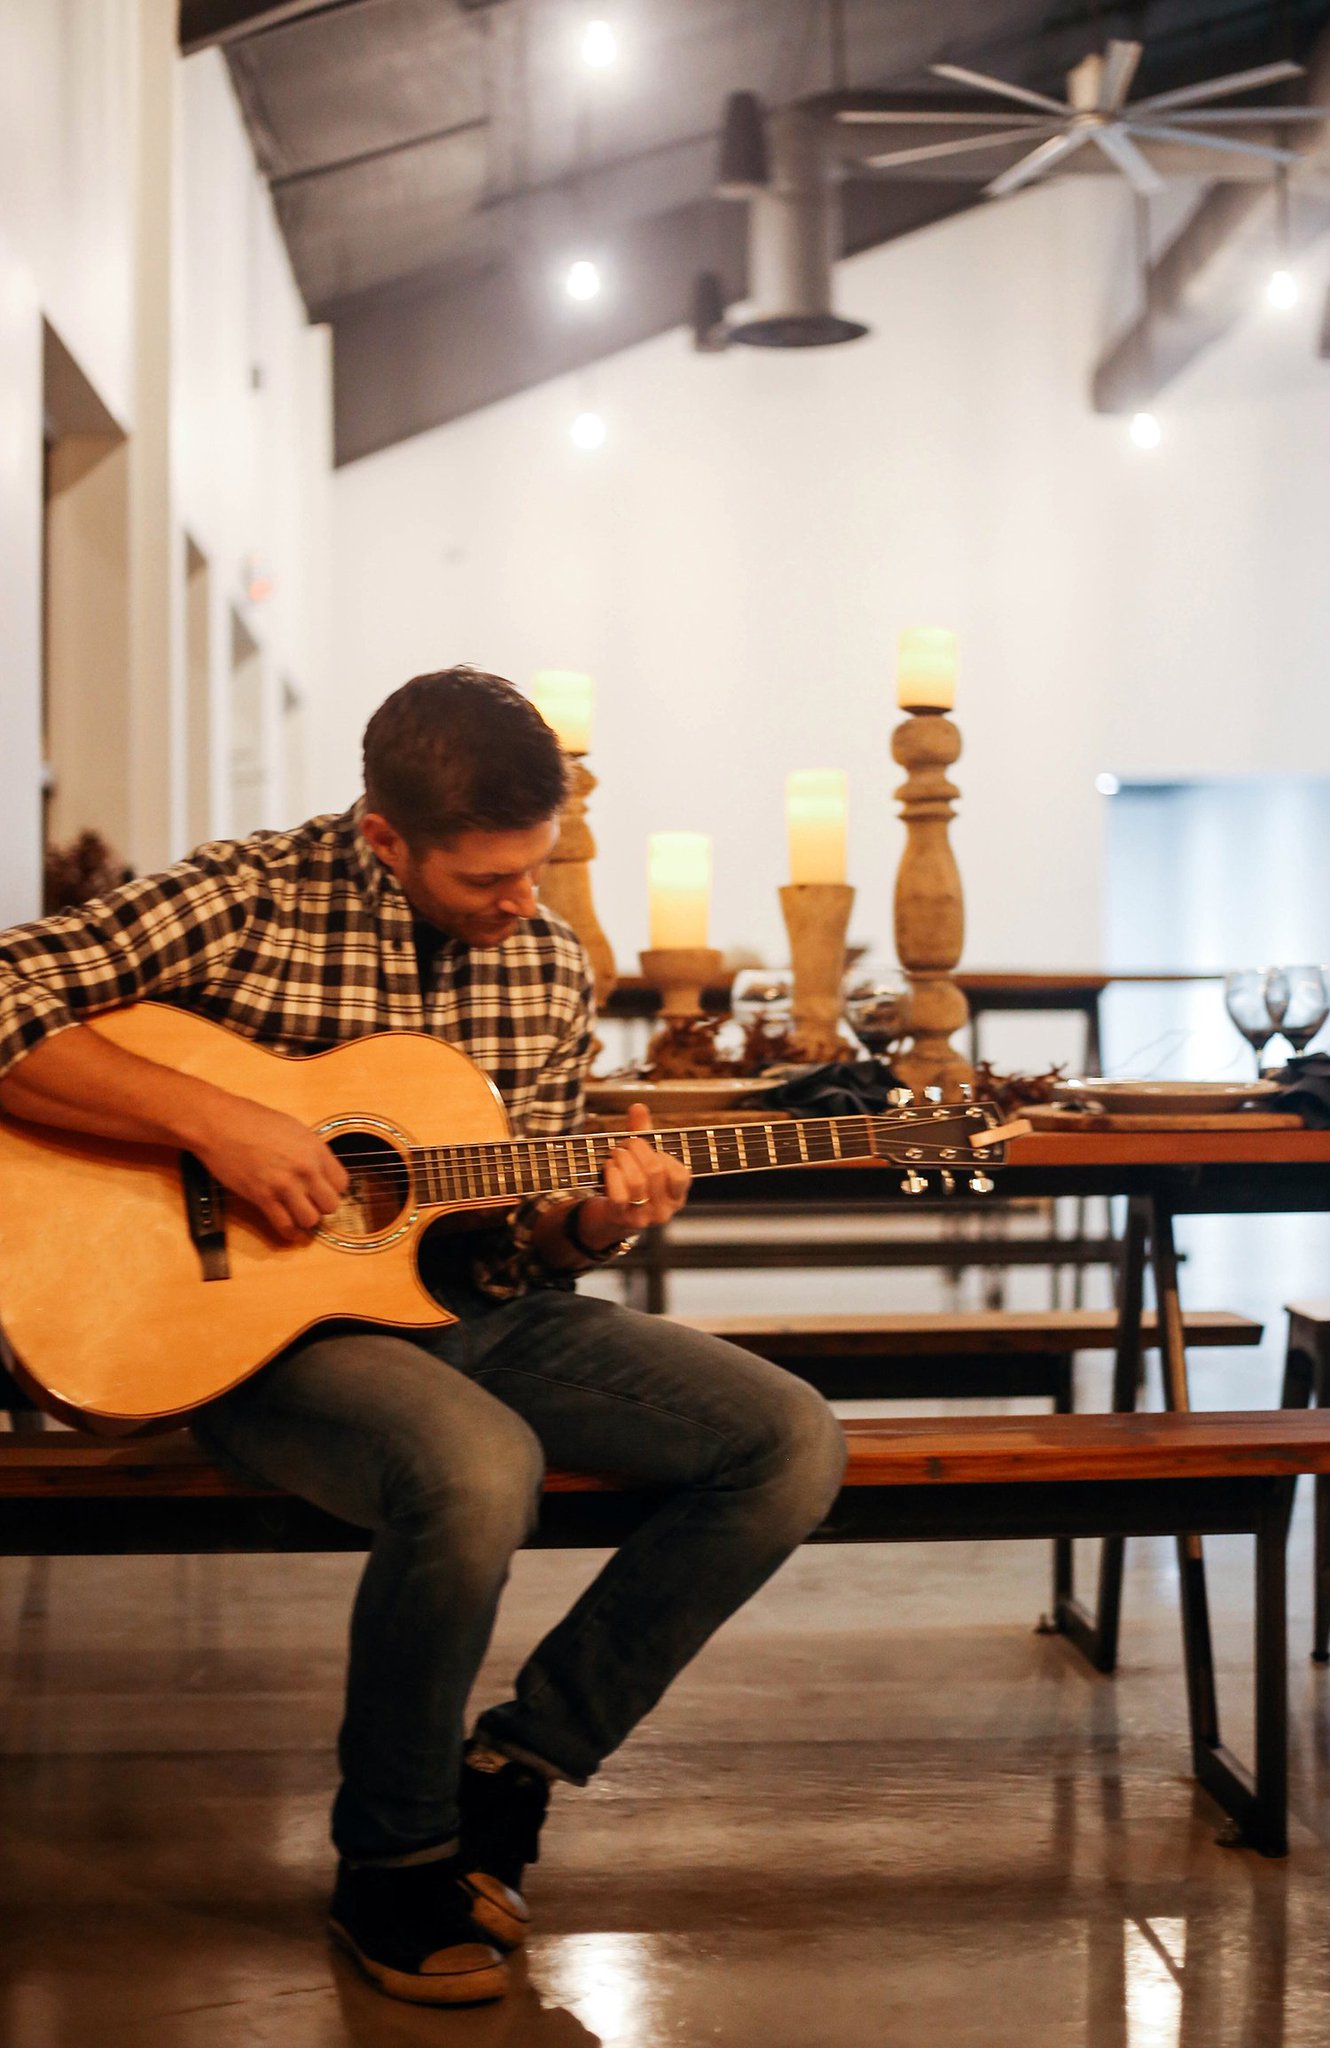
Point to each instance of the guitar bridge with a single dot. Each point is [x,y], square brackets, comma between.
[205,1211]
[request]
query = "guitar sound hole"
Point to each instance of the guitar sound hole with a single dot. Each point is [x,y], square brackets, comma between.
[380,1185]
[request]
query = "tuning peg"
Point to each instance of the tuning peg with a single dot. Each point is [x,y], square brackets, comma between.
[900,1098]
[948,1182]
[980,1184]
[932,1095]
[966,1092]
[913,1183]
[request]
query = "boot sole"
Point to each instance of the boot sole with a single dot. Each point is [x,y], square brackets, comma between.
[497,1908]
[478,1983]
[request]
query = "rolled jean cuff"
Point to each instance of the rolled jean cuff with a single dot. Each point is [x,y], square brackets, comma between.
[437,1852]
[492,1731]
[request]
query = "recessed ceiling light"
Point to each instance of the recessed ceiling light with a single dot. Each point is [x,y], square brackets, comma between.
[583,280]
[1145,430]
[587,431]
[1107,785]
[600,45]
[1282,290]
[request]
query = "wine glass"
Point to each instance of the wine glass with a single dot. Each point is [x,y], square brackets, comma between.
[877,1008]
[1298,1002]
[1246,1000]
[762,1006]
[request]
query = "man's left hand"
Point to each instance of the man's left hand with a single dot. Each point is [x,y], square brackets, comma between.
[642,1186]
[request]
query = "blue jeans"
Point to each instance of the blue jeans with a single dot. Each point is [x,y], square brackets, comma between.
[438,1443]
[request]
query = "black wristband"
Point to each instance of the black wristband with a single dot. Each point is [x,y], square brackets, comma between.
[580,1245]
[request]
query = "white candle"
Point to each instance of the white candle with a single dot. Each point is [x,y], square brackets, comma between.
[926,670]
[563,698]
[679,888]
[815,801]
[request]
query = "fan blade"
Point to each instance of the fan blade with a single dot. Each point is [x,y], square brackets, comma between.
[1136,168]
[1269,117]
[1036,163]
[927,150]
[1216,88]
[1120,61]
[999,85]
[1195,138]
[874,116]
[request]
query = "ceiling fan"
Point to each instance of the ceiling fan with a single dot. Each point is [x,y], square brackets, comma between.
[1096,110]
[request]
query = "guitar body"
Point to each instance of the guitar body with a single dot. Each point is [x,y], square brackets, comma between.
[102,1290]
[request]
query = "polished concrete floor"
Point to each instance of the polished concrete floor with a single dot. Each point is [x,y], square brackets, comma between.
[879,1808]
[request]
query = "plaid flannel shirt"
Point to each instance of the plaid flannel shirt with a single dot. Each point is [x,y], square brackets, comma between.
[302,940]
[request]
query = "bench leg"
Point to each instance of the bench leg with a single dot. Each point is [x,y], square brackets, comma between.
[1197,1651]
[1303,1375]
[1064,1403]
[1096,1637]
[1259,1807]
[1321,1572]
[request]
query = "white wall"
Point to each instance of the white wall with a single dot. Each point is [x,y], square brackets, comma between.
[92,101]
[253,416]
[734,567]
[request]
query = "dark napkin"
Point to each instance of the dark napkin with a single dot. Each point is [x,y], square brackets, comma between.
[1305,1090]
[842,1088]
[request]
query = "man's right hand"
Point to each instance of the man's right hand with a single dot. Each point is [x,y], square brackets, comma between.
[275,1162]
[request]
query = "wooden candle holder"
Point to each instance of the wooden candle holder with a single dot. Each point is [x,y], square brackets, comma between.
[817,917]
[929,909]
[565,885]
[681,973]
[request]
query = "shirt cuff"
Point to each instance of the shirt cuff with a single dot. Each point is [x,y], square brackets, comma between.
[508,1263]
[28,1017]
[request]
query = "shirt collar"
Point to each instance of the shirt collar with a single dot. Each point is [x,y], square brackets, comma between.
[377,883]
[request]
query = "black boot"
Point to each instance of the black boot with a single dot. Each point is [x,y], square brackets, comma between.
[410,1929]
[501,1804]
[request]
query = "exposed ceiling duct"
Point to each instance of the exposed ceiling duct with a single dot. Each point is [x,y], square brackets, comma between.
[793,240]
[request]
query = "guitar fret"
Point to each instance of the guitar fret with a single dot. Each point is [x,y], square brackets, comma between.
[711,1150]
[592,1167]
[834,1134]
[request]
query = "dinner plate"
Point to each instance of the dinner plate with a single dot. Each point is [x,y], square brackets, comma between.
[680,1098]
[1161,1098]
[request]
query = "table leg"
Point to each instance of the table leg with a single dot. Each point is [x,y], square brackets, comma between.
[1191,1561]
[1097,1637]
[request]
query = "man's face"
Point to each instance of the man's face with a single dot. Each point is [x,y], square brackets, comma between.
[476,888]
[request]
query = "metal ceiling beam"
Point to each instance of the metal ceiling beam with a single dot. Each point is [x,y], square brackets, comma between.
[410,360]
[204,23]
[1202,283]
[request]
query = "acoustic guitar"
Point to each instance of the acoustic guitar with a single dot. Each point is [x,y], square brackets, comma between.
[133,1288]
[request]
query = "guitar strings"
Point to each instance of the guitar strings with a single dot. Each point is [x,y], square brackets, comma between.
[454,1168]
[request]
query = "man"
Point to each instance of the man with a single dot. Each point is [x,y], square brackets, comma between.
[417,909]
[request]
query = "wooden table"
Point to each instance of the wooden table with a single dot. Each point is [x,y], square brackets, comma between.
[1163,1175]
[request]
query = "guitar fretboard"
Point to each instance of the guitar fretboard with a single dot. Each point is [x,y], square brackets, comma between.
[518,1167]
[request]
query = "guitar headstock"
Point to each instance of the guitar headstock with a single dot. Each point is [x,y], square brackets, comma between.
[951,1139]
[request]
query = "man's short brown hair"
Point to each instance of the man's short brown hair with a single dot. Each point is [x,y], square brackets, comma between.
[461,751]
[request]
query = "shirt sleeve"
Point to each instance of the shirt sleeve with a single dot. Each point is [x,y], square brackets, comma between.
[152,937]
[506,1262]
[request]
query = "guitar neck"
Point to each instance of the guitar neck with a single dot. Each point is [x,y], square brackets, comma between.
[517,1168]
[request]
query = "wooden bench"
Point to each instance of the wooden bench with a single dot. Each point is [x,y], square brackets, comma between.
[719,1232]
[990,1353]
[987,1354]
[913,1479]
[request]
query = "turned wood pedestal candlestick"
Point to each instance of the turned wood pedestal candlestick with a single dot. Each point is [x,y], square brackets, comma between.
[565,884]
[681,973]
[817,917]
[929,909]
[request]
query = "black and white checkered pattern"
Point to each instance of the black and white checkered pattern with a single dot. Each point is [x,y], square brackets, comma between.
[303,940]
